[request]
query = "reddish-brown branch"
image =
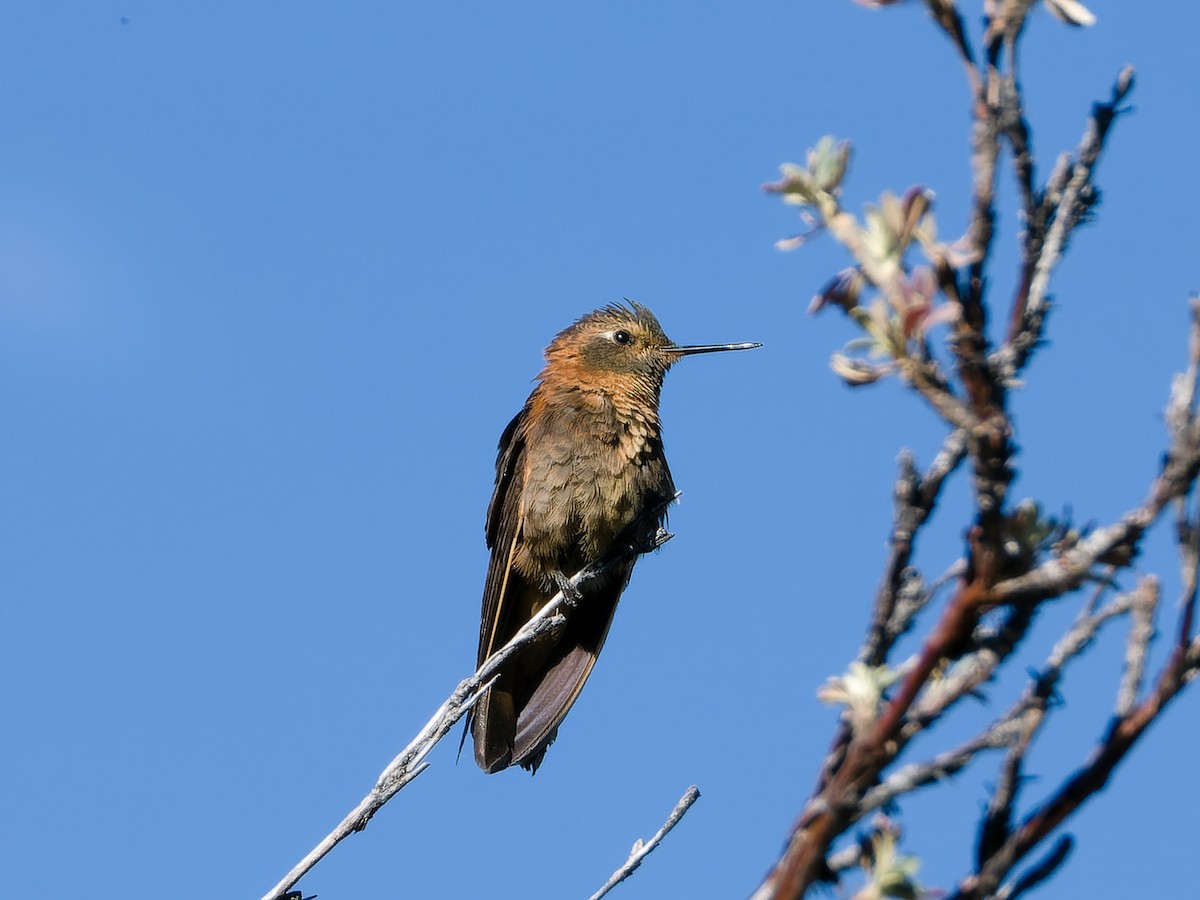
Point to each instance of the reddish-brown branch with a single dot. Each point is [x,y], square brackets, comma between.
[832,811]
[835,807]
[953,631]
[1080,787]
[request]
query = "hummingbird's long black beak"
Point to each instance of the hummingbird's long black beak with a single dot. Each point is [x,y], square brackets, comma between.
[712,348]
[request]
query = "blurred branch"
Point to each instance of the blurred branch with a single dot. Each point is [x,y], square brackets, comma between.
[1116,543]
[642,849]
[410,761]
[970,672]
[946,15]
[1040,871]
[1141,632]
[1013,729]
[1065,202]
[1184,426]
[1002,847]
[1016,559]
[1076,790]
[915,497]
[1030,712]
[940,767]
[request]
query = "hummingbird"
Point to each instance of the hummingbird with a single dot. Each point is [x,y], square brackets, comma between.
[578,466]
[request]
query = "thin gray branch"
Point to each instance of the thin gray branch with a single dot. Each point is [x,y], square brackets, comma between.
[1117,543]
[1065,202]
[994,645]
[1141,632]
[1183,425]
[849,857]
[948,19]
[1062,574]
[915,596]
[642,849]
[1079,195]
[1029,714]
[915,498]
[917,775]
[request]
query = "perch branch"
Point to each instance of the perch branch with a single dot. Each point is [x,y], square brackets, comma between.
[410,761]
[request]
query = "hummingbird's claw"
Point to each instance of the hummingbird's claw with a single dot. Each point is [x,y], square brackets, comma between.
[572,594]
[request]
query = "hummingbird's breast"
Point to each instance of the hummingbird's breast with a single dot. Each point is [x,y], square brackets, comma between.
[594,462]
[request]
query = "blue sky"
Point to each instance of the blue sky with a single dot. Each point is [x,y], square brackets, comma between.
[273,278]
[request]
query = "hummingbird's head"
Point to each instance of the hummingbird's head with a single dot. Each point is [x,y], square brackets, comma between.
[620,343]
[614,341]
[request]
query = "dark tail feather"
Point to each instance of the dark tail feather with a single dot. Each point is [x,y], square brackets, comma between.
[557,684]
[518,718]
[492,724]
[548,705]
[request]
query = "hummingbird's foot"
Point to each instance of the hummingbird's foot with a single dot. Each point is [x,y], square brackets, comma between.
[571,593]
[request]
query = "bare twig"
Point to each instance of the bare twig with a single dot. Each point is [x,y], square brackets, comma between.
[969,673]
[902,594]
[642,849]
[1039,872]
[985,150]
[1141,632]
[410,761]
[1030,712]
[1182,423]
[915,595]
[1004,24]
[916,496]
[948,19]
[917,775]
[1068,197]
[1078,195]
[1119,541]
[1189,552]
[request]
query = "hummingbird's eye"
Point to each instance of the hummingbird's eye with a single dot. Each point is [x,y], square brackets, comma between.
[622,337]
